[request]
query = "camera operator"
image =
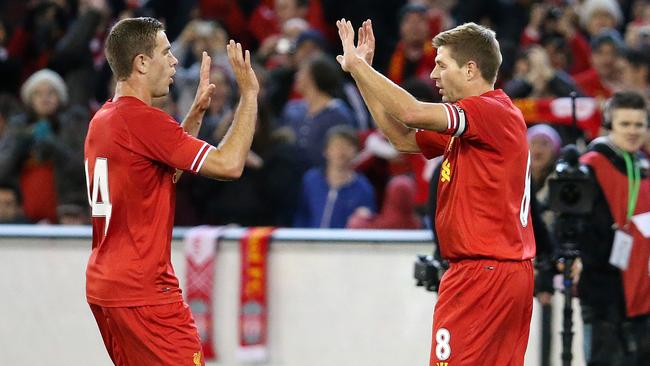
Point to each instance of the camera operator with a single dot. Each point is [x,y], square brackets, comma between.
[616,301]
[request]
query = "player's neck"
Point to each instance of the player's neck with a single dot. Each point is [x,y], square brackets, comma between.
[477,88]
[129,88]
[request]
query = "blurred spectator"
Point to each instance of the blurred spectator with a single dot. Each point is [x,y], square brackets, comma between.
[9,67]
[281,80]
[603,78]
[397,212]
[274,52]
[544,143]
[267,21]
[221,111]
[635,71]
[283,169]
[438,14]
[71,214]
[555,29]
[331,194]
[319,80]
[535,77]
[9,107]
[198,36]
[233,15]
[414,55]
[10,210]
[599,15]
[637,34]
[46,148]
[51,37]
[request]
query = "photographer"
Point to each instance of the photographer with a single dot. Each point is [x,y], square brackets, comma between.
[616,301]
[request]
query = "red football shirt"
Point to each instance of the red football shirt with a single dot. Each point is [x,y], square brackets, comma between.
[131,151]
[484,188]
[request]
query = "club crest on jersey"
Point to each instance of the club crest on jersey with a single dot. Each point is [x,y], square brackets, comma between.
[197,359]
[445,172]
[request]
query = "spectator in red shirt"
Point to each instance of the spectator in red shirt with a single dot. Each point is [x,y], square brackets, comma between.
[603,78]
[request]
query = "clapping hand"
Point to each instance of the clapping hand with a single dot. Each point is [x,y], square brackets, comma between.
[365,48]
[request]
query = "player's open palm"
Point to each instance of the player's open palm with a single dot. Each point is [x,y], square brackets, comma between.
[346,33]
[205,89]
[366,42]
[241,66]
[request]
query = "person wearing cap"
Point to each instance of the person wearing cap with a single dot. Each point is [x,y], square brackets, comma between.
[598,15]
[603,77]
[45,156]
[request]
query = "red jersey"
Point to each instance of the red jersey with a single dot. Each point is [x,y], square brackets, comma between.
[131,151]
[484,188]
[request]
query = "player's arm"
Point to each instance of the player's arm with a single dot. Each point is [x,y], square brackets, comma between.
[192,122]
[395,101]
[227,161]
[401,136]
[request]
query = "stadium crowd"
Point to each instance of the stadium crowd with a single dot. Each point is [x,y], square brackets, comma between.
[53,76]
[317,159]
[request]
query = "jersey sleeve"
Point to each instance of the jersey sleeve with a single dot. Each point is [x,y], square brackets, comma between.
[162,139]
[431,143]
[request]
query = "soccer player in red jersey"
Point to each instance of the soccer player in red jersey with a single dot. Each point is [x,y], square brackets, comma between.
[133,152]
[484,306]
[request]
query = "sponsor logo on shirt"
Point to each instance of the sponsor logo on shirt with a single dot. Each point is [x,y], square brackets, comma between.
[445,172]
[442,363]
[197,359]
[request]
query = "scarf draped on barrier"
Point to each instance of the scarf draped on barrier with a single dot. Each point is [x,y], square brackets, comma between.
[201,254]
[253,307]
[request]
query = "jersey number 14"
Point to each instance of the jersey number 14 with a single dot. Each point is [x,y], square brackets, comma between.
[100,198]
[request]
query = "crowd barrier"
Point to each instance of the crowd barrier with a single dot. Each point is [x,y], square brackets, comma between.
[336,297]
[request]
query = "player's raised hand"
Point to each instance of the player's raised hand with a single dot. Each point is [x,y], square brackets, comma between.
[241,66]
[350,56]
[205,89]
[366,41]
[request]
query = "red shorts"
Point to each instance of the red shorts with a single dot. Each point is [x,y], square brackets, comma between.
[483,313]
[150,335]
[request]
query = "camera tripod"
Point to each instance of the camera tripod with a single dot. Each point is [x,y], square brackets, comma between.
[568,258]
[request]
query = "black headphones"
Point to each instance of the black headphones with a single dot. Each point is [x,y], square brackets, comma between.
[607,115]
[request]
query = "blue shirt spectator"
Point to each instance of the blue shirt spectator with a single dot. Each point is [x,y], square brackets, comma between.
[331,194]
[310,129]
[321,206]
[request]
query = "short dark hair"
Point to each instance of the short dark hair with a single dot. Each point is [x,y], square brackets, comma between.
[473,42]
[345,132]
[409,8]
[326,74]
[638,57]
[128,38]
[622,100]
[607,36]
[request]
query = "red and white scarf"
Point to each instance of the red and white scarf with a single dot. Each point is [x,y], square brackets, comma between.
[201,253]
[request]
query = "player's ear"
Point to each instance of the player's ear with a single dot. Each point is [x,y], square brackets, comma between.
[471,70]
[141,63]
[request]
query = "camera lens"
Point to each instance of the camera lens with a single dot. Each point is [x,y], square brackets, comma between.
[570,194]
